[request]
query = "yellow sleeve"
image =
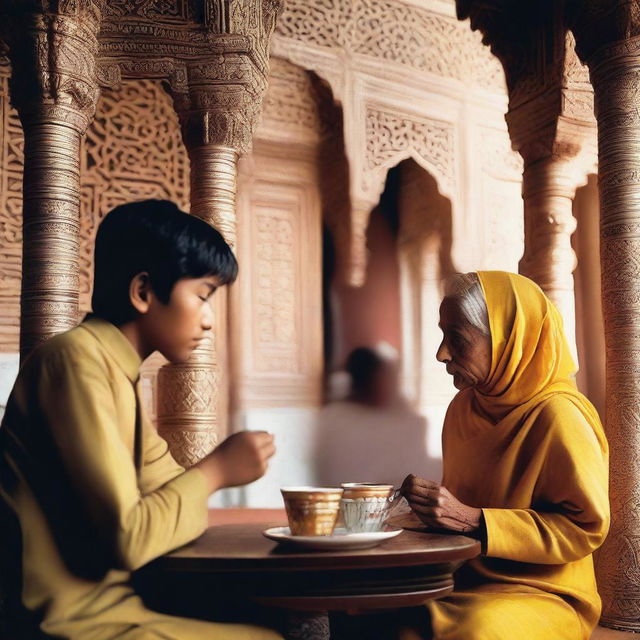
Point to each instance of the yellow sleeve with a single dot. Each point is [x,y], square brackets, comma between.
[76,401]
[158,465]
[570,514]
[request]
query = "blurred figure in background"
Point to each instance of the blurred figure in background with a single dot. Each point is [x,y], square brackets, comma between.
[372,435]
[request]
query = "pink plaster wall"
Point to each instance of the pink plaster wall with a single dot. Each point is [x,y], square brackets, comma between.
[364,316]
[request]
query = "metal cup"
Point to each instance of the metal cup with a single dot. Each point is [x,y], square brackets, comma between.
[312,511]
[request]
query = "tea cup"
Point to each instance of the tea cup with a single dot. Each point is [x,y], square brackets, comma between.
[312,511]
[365,506]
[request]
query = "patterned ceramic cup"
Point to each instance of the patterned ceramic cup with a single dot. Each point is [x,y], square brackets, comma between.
[365,505]
[312,511]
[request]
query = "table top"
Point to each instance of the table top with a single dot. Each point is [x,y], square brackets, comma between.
[242,547]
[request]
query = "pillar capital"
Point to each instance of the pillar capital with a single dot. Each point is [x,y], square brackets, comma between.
[218,109]
[220,104]
[604,28]
[551,113]
[53,47]
[553,118]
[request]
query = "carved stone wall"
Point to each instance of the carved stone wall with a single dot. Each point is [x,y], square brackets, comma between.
[501,209]
[392,136]
[407,77]
[133,150]
[279,353]
[278,356]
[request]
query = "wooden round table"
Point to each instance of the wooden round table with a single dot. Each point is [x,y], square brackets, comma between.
[405,571]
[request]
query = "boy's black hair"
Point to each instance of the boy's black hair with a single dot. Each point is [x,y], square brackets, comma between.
[156,237]
[362,364]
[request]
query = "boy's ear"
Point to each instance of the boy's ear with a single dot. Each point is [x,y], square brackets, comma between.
[140,292]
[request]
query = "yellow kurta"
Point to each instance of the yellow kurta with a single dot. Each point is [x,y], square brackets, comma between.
[528,449]
[93,493]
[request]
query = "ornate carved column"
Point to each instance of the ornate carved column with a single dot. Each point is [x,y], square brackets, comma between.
[54,89]
[548,189]
[192,396]
[608,38]
[551,124]
[219,112]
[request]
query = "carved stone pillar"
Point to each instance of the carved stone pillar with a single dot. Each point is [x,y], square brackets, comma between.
[548,189]
[421,294]
[54,89]
[551,124]
[615,75]
[410,262]
[193,396]
[218,112]
[353,251]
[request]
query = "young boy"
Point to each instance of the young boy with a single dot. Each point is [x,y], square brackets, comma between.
[88,490]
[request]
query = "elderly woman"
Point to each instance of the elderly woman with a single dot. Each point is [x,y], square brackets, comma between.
[525,468]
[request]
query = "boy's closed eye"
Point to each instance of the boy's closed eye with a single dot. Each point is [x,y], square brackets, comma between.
[207,292]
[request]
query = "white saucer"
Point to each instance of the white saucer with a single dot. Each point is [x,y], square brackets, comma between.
[341,540]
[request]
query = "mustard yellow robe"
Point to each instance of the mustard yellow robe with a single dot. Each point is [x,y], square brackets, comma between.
[93,493]
[528,449]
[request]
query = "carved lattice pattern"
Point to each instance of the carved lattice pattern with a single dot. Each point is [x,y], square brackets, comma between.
[396,32]
[276,293]
[11,163]
[391,135]
[290,102]
[151,9]
[133,150]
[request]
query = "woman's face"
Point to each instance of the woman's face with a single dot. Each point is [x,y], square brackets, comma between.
[464,349]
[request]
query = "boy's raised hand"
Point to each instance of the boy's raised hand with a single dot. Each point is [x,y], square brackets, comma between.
[240,459]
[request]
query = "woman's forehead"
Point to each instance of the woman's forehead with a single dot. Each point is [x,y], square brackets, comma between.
[452,318]
[450,312]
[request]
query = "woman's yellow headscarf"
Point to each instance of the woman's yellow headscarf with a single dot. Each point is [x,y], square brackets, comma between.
[530,359]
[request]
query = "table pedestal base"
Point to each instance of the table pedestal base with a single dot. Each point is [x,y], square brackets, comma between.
[308,625]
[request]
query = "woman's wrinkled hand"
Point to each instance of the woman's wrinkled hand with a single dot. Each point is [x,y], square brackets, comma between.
[437,507]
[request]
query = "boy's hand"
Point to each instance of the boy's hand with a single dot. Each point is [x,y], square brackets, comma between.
[242,458]
[437,507]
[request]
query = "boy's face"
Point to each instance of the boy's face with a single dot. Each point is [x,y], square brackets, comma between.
[177,328]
